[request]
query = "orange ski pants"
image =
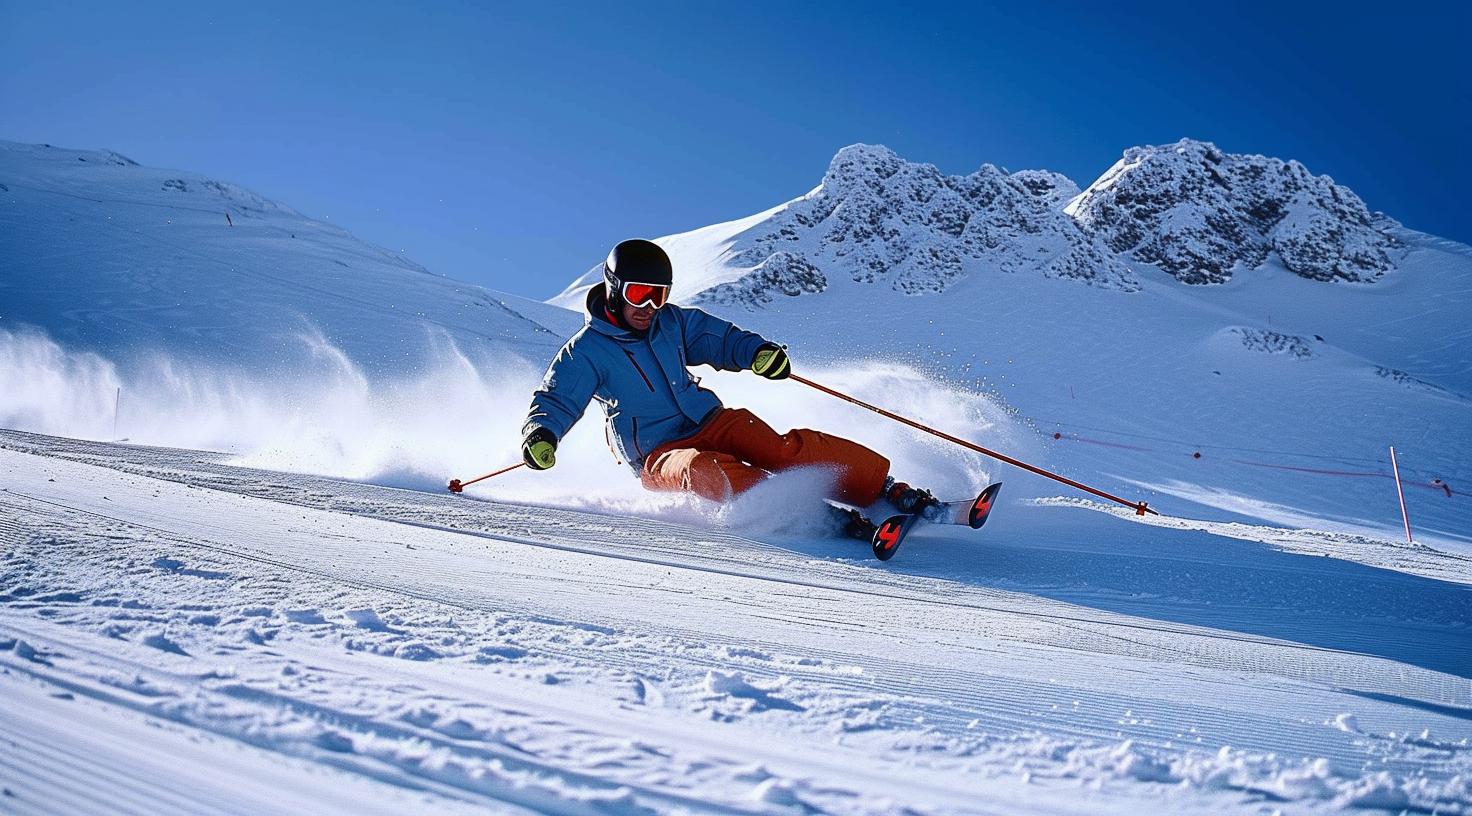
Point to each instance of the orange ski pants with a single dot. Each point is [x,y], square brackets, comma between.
[735,450]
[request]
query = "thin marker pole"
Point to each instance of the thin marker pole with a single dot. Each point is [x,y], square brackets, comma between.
[1404,516]
[117,403]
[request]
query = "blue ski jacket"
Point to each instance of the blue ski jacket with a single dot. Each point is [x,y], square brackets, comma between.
[643,382]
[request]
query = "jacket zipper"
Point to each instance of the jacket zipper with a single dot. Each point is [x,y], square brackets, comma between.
[636,439]
[642,375]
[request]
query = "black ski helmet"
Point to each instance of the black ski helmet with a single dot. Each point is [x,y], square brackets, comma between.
[639,261]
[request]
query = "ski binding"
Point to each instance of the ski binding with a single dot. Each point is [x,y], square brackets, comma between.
[893,530]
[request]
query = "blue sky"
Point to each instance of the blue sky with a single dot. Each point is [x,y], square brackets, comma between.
[511,146]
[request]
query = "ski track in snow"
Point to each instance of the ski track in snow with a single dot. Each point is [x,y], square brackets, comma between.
[328,646]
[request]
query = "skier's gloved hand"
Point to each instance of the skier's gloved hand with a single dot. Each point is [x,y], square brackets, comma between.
[771,362]
[539,449]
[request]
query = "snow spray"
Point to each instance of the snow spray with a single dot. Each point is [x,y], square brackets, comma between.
[1139,507]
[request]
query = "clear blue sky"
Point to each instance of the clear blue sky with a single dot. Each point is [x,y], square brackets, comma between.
[511,145]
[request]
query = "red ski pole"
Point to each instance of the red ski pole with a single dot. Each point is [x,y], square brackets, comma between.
[457,486]
[1140,508]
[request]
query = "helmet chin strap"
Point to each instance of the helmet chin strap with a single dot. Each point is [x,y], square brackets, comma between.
[613,308]
[616,317]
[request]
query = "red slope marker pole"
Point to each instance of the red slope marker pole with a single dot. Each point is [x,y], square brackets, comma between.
[457,486]
[1140,507]
[1401,494]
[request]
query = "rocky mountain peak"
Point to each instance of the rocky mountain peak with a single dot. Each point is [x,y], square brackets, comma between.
[878,219]
[860,164]
[1199,212]
[1190,208]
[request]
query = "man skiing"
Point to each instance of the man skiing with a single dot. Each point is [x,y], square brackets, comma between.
[633,354]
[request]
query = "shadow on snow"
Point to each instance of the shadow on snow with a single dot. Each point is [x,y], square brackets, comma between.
[1195,578]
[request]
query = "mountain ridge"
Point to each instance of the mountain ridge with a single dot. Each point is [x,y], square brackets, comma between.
[1188,209]
[1197,212]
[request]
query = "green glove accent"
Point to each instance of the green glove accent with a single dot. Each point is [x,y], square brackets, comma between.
[539,451]
[543,455]
[771,362]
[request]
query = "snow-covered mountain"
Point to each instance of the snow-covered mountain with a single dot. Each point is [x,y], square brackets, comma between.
[882,220]
[110,257]
[1198,212]
[169,308]
[877,219]
[1189,209]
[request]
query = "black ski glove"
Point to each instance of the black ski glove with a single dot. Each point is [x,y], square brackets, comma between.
[771,362]
[539,449]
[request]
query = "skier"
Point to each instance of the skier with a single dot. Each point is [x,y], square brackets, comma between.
[632,356]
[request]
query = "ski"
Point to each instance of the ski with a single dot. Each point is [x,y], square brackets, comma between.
[892,531]
[972,513]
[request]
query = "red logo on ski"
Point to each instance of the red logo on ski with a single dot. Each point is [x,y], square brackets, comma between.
[887,538]
[982,507]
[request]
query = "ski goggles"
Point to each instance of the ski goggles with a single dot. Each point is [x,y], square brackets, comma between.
[644,294]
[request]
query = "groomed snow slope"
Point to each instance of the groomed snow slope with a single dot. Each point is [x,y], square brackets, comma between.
[317,645]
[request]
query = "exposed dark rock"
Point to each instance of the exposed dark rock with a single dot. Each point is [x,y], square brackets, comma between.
[1199,213]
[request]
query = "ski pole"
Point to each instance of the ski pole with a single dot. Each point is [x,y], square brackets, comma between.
[457,486]
[1140,507]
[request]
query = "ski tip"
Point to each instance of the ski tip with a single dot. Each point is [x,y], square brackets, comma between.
[455,486]
[981,509]
[889,534]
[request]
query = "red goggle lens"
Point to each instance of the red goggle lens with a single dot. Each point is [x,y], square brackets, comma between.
[646,294]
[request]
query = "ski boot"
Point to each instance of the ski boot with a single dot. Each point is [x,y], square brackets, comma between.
[911,500]
[853,524]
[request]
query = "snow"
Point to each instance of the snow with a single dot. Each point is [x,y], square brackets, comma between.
[886,221]
[1197,212]
[125,261]
[272,605]
[703,253]
[426,651]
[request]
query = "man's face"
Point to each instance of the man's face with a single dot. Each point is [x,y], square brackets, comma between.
[640,317]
